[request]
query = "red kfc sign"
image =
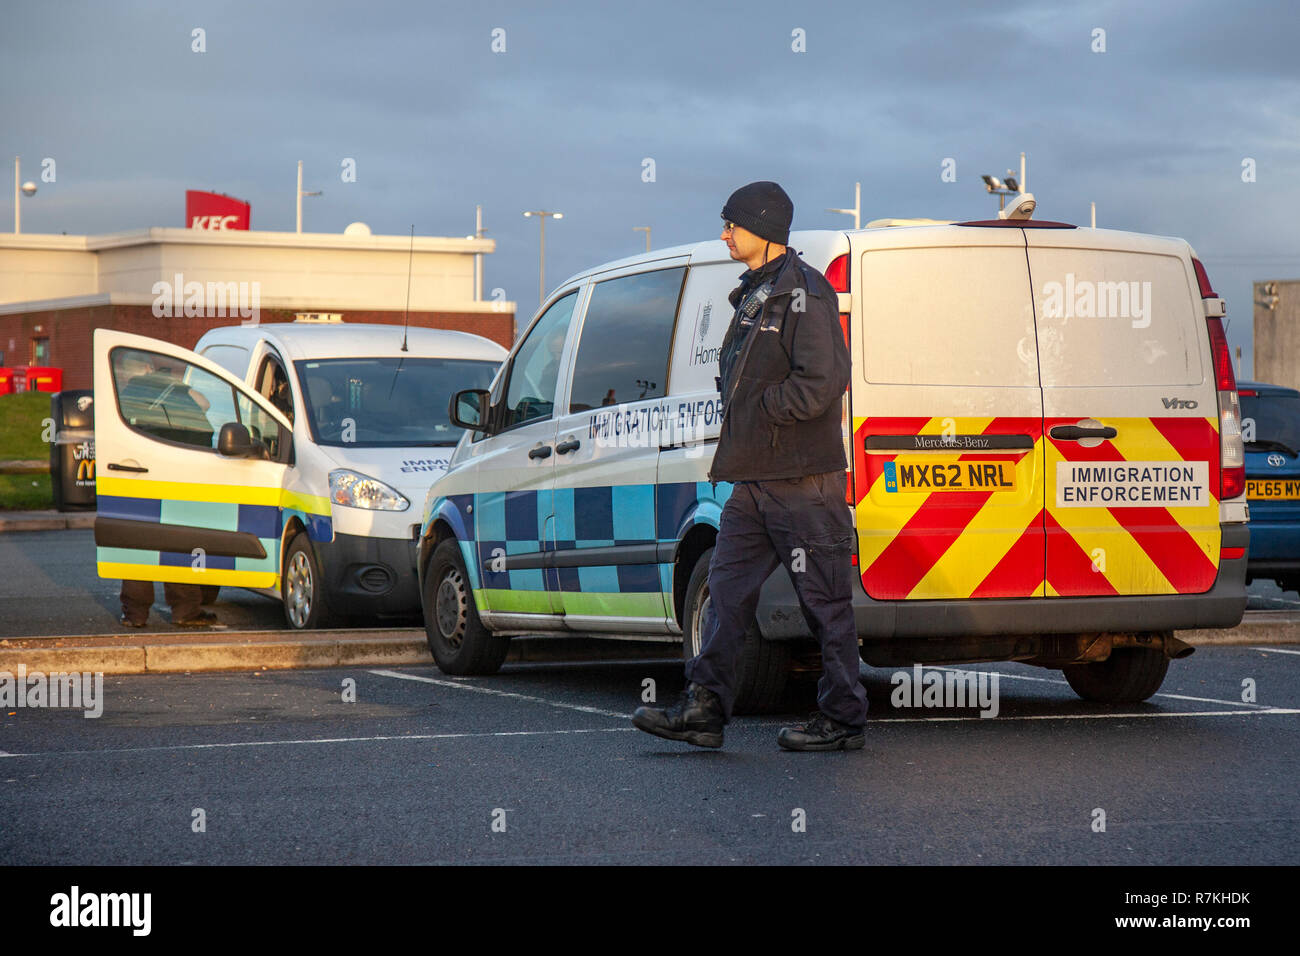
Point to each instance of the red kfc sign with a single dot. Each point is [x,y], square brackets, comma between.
[215,211]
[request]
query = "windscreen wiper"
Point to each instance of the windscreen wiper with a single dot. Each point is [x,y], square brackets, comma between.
[1267,444]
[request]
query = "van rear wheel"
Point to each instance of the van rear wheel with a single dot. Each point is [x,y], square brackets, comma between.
[764,665]
[459,642]
[1129,675]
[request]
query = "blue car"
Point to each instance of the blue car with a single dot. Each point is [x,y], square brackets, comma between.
[1270,419]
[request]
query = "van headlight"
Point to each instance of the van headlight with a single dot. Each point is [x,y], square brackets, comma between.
[362,491]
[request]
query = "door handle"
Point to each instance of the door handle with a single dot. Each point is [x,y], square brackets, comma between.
[114,466]
[1079,432]
[567,446]
[541,451]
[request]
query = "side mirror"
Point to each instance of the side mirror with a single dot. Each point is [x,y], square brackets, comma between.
[468,408]
[234,442]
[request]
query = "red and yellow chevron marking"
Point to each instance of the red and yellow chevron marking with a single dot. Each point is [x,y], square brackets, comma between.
[984,544]
[952,544]
[1136,550]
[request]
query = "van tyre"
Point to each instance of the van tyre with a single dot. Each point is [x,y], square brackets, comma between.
[302,587]
[1129,675]
[764,665]
[459,642]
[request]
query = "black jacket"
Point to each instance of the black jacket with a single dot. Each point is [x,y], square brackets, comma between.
[782,390]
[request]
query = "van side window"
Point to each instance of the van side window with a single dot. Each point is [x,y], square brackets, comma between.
[626,338]
[233,358]
[169,399]
[535,369]
[273,385]
[262,427]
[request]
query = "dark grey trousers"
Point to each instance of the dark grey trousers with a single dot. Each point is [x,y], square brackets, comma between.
[185,600]
[803,524]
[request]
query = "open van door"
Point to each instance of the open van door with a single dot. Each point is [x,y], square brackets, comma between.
[192,474]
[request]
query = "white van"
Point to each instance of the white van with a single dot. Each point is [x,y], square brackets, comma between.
[1042,425]
[282,458]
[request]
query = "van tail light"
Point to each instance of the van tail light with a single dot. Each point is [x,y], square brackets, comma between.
[1232,451]
[846,430]
[837,274]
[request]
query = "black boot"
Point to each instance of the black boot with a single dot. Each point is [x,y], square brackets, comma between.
[696,718]
[819,732]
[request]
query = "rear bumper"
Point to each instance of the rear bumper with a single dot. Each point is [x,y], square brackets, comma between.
[1274,546]
[779,616]
[369,577]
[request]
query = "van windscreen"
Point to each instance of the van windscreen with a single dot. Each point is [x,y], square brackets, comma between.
[386,402]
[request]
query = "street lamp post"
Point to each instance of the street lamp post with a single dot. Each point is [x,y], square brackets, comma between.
[21,189]
[541,268]
[646,230]
[856,211]
[301,194]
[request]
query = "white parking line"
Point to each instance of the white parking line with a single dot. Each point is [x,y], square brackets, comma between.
[618,730]
[1164,713]
[1049,680]
[581,708]
[1274,650]
[321,740]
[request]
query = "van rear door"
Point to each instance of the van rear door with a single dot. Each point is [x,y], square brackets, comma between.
[947,415]
[1130,412]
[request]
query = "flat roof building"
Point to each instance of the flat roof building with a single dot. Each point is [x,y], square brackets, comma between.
[175,284]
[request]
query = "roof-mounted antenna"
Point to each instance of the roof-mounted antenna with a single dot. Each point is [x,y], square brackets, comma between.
[406,322]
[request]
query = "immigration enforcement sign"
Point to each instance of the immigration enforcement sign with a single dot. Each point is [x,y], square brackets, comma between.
[1132,484]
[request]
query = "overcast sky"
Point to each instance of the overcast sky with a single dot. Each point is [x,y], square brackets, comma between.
[1154,129]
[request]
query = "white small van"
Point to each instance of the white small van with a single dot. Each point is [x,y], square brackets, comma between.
[283,458]
[1043,435]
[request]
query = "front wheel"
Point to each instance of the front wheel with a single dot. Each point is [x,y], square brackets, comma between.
[302,587]
[459,642]
[1129,675]
[764,665]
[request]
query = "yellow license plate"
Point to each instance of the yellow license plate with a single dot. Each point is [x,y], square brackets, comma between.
[1272,489]
[912,474]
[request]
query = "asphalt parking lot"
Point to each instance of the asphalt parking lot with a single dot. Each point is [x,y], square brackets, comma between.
[539,764]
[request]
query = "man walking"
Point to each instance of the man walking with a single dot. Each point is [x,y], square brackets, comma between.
[784,370]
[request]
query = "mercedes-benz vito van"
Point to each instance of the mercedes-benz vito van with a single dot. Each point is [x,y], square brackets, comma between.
[283,458]
[1042,425]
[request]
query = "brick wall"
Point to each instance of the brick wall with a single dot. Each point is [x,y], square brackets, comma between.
[70,331]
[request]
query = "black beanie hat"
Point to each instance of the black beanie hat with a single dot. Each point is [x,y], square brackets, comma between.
[764,209]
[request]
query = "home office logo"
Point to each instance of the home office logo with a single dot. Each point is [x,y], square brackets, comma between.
[193,299]
[76,909]
[77,691]
[949,690]
[1084,299]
